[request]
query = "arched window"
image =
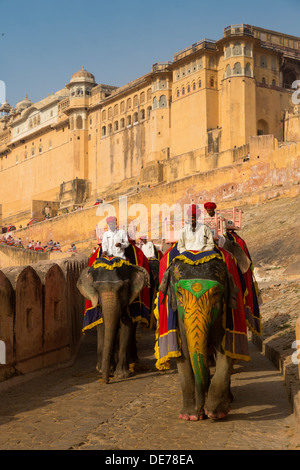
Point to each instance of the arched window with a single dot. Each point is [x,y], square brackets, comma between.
[128,121]
[129,103]
[237,48]
[212,82]
[227,51]
[227,71]
[135,118]
[247,51]
[103,131]
[211,62]
[149,94]
[163,101]
[273,64]
[194,85]
[122,123]
[109,129]
[237,70]
[274,82]
[104,115]
[154,103]
[199,84]
[135,100]
[142,114]
[109,114]
[262,127]
[142,97]
[200,65]
[188,88]
[263,62]
[116,110]
[79,92]
[183,91]
[149,109]
[79,122]
[162,83]
[122,107]
[116,126]
[248,70]
[263,80]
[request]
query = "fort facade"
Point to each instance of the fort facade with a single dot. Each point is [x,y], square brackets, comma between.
[197,114]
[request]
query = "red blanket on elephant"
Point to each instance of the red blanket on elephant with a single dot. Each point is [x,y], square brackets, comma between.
[235,341]
[252,311]
[140,308]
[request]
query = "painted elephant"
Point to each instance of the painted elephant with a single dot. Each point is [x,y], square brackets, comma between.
[199,293]
[114,290]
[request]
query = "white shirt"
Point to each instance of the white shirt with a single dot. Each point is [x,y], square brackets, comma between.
[200,240]
[148,250]
[110,239]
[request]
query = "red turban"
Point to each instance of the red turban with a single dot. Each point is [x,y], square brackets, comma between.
[210,205]
[111,219]
[193,210]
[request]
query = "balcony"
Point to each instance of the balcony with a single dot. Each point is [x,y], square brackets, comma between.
[238,30]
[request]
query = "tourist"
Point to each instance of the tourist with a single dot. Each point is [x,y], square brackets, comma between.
[195,236]
[147,247]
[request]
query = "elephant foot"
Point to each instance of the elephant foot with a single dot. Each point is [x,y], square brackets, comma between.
[217,415]
[122,373]
[187,417]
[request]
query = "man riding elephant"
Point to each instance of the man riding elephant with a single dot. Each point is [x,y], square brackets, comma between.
[195,273]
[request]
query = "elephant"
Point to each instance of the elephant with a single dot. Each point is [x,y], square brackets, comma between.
[199,293]
[114,290]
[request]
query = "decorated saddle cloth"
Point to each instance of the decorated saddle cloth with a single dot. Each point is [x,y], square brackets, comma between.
[252,312]
[139,310]
[168,344]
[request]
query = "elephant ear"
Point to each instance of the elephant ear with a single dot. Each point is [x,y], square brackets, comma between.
[86,287]
[242,259]
[139,279]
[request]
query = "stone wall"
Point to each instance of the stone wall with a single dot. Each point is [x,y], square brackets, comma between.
[41,314]
[261,171]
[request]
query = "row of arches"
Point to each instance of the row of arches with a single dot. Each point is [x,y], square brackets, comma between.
[193,86]
[130,120]
[238,70]
[125,106]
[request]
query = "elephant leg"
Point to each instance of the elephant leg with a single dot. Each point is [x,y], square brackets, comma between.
[219,397]
[193,397]
[122,369]
[100,343]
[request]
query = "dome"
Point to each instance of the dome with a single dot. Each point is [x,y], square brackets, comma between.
[82,76]
[25,103]
[5,107]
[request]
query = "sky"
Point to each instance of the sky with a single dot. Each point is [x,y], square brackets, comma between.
[42,43]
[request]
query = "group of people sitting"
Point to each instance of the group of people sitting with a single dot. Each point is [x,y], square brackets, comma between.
[37,246]
[33,245]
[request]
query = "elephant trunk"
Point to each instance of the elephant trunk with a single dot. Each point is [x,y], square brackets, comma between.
[111,316]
